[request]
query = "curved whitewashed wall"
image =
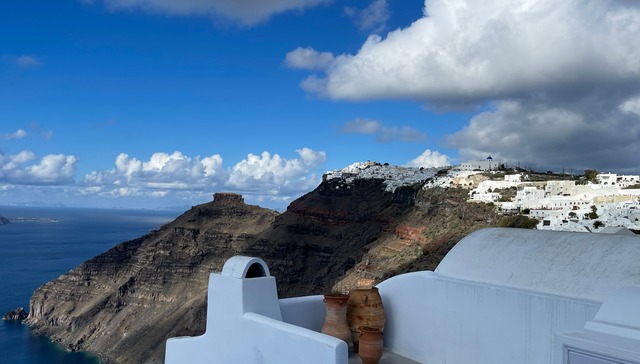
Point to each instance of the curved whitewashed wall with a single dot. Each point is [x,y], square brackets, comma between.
[578,265]
[502,296]
[437,320]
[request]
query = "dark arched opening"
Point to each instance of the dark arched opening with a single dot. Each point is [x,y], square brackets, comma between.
[256,270]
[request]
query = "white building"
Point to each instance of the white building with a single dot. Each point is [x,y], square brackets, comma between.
[514,178]
[559,222]
[392,176]
[509,181]
[560,188]
[485,165]
[612,179]
[500,296]
[528,194]
[486,197]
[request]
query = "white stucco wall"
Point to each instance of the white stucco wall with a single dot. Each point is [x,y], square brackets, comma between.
[501,296]
[436,320]
[578,265]
[611,337]
[484,165]
[306,311]
[245,325]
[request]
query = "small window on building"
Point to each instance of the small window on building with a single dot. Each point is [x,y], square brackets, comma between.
[546,222]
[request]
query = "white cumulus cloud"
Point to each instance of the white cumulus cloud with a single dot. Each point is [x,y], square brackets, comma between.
[52,169]
[161,171]
[23,157]
[246,12]
[212,165]
[558,80]
[176,174]
[631,106]
[270,174]
[173,178]
[18,134]
[463,49]
[308,58]
[430,159]
[373,18]
[311,157]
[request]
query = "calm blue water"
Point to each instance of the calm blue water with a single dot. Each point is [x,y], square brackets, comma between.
[35,252]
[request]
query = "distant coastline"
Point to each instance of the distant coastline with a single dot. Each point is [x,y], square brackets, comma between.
[8,220]
[30,219]
[4,220]
[33,219]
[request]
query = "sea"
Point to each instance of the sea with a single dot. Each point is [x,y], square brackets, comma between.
[43,243]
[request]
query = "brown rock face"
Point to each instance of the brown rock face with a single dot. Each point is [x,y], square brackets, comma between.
[125,303]
[422,234]
[227,198]
[324,233]
[405,232]
[18,314]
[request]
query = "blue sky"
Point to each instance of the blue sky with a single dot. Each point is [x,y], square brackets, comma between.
[155,103]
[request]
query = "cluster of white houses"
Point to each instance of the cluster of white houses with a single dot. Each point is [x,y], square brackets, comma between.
[559,205]
[392,176]
[563,205]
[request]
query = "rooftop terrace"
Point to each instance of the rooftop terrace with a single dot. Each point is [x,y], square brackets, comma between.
[501,296]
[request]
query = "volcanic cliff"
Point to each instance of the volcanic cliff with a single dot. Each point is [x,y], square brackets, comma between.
[125,303]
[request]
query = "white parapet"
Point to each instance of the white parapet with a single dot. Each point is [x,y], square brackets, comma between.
[244,325]
[613,336]
[501,296]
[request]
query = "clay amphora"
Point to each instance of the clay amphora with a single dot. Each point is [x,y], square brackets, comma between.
[370,345]
[365,309]
[335,323]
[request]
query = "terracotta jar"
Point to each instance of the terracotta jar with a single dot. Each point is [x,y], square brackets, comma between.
[370,345]
[365,309]
[335,323]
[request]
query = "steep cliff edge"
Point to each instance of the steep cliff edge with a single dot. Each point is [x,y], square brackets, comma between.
[124,303]
[324,233]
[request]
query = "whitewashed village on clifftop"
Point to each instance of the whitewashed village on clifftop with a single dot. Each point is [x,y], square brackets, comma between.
[606,204]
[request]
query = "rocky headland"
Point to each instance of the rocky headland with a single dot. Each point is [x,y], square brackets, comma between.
[125,303]
[4,220]
[19,314]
